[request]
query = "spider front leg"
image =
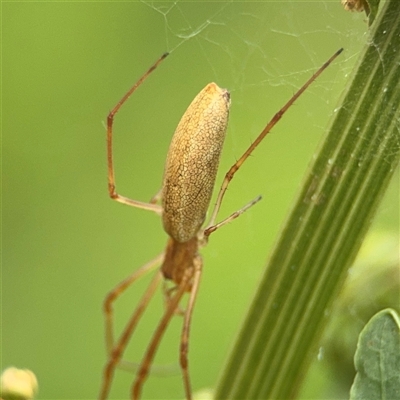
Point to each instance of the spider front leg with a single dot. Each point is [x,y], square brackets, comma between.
[151,206]
[235,167]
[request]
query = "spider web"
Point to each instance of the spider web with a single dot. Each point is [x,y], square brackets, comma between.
[265,49]
[258,36]
[262,52]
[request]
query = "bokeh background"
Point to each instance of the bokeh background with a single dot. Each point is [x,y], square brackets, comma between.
[65,243]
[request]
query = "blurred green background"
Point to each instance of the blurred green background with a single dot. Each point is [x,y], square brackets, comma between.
[65,243]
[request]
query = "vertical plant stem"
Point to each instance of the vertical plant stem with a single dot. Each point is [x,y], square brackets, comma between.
[326,227]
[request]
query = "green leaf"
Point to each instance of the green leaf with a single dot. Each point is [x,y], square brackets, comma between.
[326,227]
[377,359]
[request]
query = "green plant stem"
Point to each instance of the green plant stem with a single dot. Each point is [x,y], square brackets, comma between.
[326,227]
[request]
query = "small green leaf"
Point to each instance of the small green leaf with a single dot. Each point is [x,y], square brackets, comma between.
[377,359]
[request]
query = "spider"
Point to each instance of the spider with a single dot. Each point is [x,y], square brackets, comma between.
[189,177]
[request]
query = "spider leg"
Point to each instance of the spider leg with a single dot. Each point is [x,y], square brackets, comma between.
[209,230]
[159,332]
[235,167]
[116,350]
[198,266]
[116,292]
[110,121]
